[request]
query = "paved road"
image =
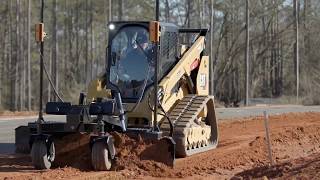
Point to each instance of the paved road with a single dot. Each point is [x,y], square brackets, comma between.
[229,113]
[7,126]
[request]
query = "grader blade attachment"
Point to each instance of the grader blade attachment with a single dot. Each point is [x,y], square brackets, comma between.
[162,150]
[22,139]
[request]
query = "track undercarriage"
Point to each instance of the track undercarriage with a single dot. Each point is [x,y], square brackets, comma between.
[195,125]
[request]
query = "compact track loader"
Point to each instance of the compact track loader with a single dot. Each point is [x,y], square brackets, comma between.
[152,87]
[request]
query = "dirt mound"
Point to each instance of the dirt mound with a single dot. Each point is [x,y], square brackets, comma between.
[132,153]
[145,157]
[73,150]
[244,147]
[301,168]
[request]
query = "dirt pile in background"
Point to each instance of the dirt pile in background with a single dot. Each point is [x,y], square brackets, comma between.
[300,168]
[242,152]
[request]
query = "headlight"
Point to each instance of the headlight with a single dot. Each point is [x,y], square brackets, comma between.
[112,26]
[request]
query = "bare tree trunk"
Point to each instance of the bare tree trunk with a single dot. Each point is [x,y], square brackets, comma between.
[3,62]
[272,57]
[120,9]
[188,20]
[307,44]
[23,63]
[296,6]
[11,62]
[29,57]
[247,53]
[281,62]
[16,65]
[96,49]
[272,64]
[110,10]
[188,13]
[7,66]
[86,69]
[77,55]
[264,58]
[167,11]
[71,58]
[202,13]
[92,38]
[212,65]
[199,12]
[278,52]
[54,60]
[66,57]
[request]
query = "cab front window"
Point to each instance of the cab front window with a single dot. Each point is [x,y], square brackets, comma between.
[131,63]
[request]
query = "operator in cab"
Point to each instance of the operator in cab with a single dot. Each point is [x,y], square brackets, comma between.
[137,66]
[140,48]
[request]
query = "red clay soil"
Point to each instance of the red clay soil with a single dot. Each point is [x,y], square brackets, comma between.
[241,154]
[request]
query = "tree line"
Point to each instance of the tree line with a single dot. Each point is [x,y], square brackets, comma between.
[77,37]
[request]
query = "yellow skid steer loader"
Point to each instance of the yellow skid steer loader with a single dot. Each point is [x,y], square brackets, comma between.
[153,87]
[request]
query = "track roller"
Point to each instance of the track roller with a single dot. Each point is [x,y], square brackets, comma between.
[42,154]
[100,156]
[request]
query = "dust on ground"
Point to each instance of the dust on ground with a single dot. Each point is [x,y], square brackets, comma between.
[241,154]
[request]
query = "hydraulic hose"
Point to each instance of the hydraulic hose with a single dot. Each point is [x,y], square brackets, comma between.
[50,81]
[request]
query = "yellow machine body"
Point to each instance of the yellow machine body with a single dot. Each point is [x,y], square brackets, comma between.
[185,100]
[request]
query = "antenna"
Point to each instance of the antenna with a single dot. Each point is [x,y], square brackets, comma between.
[155,113]
[40,34]
[157,10]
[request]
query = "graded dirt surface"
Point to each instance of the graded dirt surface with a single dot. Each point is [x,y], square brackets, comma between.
[241,154]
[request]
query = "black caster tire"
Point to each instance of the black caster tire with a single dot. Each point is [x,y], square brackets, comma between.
[42,156]
[100,157]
